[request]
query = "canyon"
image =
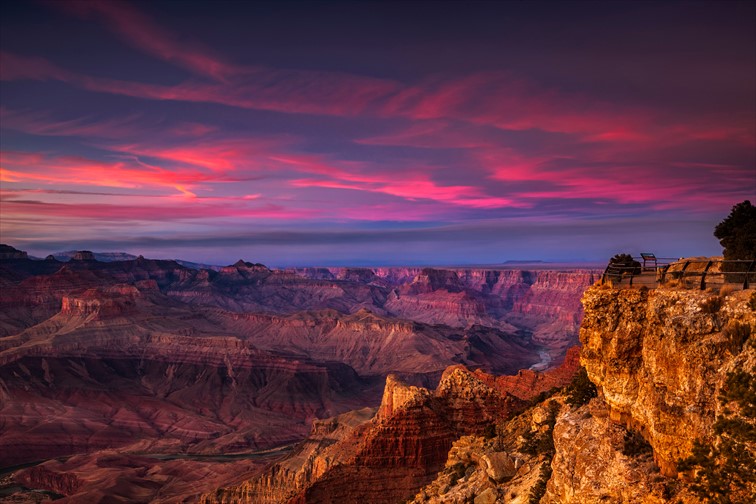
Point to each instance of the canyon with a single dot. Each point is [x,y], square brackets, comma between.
[147,381]
[116,377]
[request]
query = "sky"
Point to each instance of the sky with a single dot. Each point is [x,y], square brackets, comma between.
[375,133]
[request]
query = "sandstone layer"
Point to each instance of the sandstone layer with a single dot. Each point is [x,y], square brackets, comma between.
[660,358]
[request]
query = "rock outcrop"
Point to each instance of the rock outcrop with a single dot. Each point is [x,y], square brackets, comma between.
[660,358]
[674,420]
[386,458]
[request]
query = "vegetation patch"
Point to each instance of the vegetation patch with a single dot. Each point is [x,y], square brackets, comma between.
[711,305]
[737,233]
[489,431]
[723,469]
[538,490]
[581,389]
[546,394]
[740,388]
[542,443]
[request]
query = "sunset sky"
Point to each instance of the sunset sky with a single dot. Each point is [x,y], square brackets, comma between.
[361,133]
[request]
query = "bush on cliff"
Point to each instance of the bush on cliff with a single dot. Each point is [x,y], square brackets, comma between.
[538,490]
[723,470]
[581,389]
[542,444]
[626,263]
[737,233]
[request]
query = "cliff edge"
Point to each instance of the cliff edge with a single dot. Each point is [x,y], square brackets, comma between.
[665,411]
[674,370]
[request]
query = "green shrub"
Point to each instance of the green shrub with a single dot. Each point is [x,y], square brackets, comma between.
[670,489]
[542,443]
[737,232]
[711,305]
[544,395]
[724,468]
[626,262]
[539,489]
[740,387]
[581,389]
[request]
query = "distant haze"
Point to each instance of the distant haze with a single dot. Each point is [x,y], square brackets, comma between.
[375,133]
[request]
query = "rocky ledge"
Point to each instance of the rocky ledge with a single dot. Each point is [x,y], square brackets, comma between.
[660,359]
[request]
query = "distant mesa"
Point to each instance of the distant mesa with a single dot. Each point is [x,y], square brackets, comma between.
[83,255]
[50,258]
[8,252]
[364,275]
[70,255]
[241,263]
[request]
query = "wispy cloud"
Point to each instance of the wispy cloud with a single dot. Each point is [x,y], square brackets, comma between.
[219,138]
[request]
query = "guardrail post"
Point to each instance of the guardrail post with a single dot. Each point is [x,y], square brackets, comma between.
[661,278]
[748,272]
[703,275]
[682,272]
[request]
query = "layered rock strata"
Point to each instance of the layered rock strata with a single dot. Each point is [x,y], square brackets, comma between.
[388,457]
[660,358]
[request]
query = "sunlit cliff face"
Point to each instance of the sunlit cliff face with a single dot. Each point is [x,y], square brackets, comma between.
[367,133]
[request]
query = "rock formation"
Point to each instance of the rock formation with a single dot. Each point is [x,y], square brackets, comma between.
[117,375]
[674,420]
[386,458]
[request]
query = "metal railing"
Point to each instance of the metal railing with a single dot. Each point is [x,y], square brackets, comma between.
[689,273]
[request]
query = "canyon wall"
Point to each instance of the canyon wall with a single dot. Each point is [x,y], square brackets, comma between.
[387,455]
[109,366]
[661,358]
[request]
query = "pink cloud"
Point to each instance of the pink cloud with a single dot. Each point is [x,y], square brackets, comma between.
[140,31]
[223,155]
[416,189]
[431,134]
[487,99]
[16,67]
[644,184]
[133,125]
[287,91]
[56,169]
[41,123]
[171,211]
[616,151]
[501,100]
